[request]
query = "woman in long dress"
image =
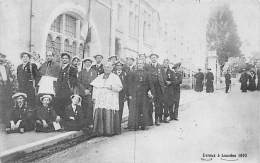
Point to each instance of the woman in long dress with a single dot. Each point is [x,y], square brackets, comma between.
[106,88]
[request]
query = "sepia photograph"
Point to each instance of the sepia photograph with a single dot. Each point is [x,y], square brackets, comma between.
[129,81]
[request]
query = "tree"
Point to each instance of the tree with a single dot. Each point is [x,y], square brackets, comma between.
[222,34]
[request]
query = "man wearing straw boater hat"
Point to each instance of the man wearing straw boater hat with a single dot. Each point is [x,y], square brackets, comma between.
[85,77]
[74,118]
[21,116]
[28,77]
[158,80]
[5,88]
[46,118]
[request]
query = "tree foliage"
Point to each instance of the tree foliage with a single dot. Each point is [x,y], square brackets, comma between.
[222,34]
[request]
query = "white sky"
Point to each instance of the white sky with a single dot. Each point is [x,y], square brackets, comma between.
[189,19]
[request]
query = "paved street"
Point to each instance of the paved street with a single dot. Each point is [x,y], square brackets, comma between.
[218,124]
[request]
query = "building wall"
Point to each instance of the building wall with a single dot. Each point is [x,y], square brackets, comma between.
[15,24]
[113,30]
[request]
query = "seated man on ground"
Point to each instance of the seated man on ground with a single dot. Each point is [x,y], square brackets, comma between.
[74,117]
[21,116]
[46,118]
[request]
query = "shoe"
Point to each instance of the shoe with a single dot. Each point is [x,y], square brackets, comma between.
[165,120]
[143,128]
[8,130]
[21,130]
[176,119]
[157,123]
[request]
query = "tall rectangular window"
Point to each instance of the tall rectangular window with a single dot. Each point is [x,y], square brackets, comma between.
[57,24]
[70,26]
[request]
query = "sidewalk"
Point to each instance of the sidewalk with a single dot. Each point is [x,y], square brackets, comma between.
[16,146]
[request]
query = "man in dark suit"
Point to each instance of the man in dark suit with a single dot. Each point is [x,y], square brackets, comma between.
[177,81]
[158,80]
[122,94]
[6,79]
[98,67]
[244,80]
[129,66]
[66,82]
[227,80]
[85,77]
[74,117]
[199,76]
[28,77]
[168,94]
[209,77]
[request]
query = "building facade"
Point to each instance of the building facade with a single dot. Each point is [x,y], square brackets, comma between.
[107,27]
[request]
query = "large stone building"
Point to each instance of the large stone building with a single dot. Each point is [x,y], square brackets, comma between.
[111,27]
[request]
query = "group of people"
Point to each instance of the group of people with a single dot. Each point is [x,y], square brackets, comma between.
[248,80]
[208,78]
[54,96]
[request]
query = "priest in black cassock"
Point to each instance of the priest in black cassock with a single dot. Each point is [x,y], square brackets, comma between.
[209,78]
[199,76]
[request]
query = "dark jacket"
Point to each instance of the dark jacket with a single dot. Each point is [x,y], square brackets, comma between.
[67,81]
[177,81]
[157,75]
[27,76]
[99,70]
[85,78]
[50,69]
[48,114]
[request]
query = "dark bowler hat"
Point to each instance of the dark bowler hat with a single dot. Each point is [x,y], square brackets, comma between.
[87,59]
[177,65]
[153,54]
[65,54]
[95,56]
[25,53]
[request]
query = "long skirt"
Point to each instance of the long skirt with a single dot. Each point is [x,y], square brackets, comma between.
[106,122]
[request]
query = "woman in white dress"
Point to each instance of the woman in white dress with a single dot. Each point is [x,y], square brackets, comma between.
[106,88]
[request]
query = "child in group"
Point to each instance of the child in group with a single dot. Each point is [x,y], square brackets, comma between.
[74,117]
[46,118]
[21,116]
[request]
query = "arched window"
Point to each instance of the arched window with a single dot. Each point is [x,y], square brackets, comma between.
[56,26]
[81,50]
[57,48]
[70,26]
[67,47]
[49,43]
[74,48]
